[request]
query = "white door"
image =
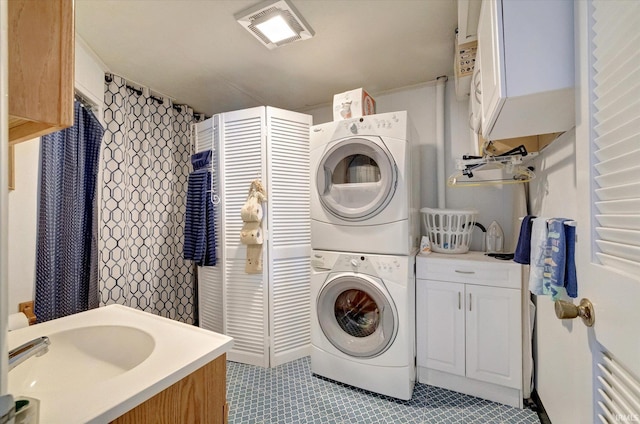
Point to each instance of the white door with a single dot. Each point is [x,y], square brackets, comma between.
[440,337]
[608,185]
[494,351]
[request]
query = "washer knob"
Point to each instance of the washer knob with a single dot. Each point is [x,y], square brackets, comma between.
[354,263]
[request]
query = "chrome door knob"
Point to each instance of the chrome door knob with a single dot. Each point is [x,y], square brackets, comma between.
[566,310]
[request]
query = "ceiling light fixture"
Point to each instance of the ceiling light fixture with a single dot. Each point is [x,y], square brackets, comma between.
[275,23]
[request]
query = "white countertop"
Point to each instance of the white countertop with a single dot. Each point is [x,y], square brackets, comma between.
[179,350]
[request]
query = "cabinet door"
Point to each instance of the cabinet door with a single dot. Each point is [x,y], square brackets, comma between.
[494,343]
[490,46]
[41,67]
[440,326]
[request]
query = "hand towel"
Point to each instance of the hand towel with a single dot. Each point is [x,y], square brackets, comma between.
[536,259]
[252,210]
[523,249]
[199,230]
[251,233]
[571,280]
[560,272]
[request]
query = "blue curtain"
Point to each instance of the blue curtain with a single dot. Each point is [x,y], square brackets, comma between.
[66,256]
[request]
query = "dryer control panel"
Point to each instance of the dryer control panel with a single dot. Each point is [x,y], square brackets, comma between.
[392,124]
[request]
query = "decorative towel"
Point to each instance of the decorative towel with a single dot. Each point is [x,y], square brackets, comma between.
[536,259]
[199,230]
[251,233]
[253,263]
[559,259]
[252,210]
[523,249]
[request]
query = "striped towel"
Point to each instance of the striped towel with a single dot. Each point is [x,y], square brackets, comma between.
[199,229]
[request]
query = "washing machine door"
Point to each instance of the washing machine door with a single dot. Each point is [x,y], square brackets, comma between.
[356,178]
[357,315]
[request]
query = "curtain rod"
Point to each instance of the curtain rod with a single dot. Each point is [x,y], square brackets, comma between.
[108,77]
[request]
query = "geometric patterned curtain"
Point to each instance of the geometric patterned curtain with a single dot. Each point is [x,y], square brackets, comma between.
[146,164]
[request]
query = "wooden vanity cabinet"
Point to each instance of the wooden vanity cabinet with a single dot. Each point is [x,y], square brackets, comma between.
[198,398]
[41,67]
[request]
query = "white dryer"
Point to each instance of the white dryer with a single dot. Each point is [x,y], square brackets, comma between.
[363,321]
[364,185]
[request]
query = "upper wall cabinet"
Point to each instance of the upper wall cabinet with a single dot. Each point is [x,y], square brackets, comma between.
[41,67]
[526,68]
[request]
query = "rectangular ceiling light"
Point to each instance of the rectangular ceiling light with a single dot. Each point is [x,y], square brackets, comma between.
[275,23]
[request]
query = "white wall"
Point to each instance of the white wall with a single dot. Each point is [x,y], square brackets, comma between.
[23,224]
[493,202]
[22,202]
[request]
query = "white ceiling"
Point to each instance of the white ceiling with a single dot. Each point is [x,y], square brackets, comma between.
[195,51]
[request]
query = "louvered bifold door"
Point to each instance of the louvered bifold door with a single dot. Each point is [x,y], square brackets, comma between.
[617,133]
[245,295]
[210,282]
[616,158]
[290,234]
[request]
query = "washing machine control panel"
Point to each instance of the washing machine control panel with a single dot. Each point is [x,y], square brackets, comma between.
[371,265]
[389,268]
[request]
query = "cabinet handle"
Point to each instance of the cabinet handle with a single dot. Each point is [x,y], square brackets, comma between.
[469,302]
[459,300]
[465,272]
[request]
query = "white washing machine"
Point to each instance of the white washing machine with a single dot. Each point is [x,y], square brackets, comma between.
[364,185]
[363,321]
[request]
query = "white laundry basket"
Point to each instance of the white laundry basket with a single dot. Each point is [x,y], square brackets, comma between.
[449,230]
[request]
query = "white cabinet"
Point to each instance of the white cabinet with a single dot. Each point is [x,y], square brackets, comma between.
[493,335]
[469,325]
[525,60]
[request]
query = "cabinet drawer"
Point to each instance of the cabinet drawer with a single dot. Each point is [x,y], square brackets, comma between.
[470,268]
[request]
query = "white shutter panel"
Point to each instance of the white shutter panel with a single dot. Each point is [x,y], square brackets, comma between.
[290,234]
[246,309]
[616,78]
[210,284]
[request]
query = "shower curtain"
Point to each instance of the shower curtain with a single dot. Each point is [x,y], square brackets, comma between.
[145,167]
[66,252]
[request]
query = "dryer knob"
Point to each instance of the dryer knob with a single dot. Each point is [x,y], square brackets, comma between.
[354,128]
[354,263]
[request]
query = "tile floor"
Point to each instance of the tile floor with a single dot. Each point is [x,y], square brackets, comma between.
[291,394]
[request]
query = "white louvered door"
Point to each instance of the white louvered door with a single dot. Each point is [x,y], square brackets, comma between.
[246,311]
[290,234]
[210,281]
[608,184]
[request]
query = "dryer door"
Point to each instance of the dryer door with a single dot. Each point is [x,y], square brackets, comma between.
[357,316]
[356,178]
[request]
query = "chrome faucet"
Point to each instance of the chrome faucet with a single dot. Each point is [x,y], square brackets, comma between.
[35,347]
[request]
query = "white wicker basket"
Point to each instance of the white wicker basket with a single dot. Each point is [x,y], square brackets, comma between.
[449,230]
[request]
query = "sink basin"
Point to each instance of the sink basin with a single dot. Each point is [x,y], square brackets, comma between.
[83,356]
[104,362]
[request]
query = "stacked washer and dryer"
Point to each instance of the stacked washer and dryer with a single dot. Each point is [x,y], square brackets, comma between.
[364,236]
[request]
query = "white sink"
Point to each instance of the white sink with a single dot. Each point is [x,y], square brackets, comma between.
[104,362]
[83,356]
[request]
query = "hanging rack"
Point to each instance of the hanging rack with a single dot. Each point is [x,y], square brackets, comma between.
[510,162]
[193,142]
